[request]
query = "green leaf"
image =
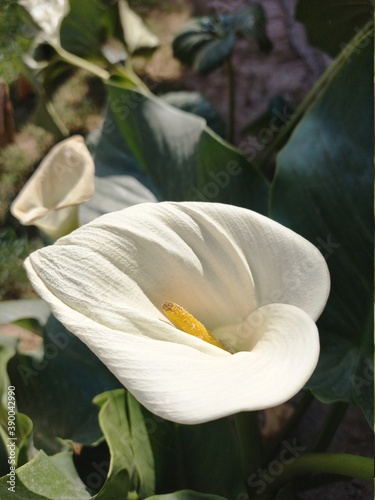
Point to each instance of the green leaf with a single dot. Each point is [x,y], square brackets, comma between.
[45,477]
[23,425]
[6,352]
[87,26]
[140,442]
[194,102]
[4,466]
[214,54]
[182,156]
[56,391]
[185,495]
[119,183]
[24,430]
[206,43]
[18,438]
[131,466]
[205,449]
[115,426]
[195,456]
[252,22]
[333,23]
[323,189]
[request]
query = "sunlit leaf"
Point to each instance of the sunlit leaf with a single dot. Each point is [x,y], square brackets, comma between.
[183,157]
[46,477]
[131,466]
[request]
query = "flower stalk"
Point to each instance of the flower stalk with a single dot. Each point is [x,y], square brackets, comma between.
[343,464]
[249,440]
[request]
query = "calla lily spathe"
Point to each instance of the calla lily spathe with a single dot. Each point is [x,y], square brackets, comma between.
[257,286]
[63,180]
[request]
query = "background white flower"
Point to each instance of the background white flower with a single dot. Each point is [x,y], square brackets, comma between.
[63,180]
[257,286]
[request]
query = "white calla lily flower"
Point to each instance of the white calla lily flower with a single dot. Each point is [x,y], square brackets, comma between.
[255,285]
[63,180]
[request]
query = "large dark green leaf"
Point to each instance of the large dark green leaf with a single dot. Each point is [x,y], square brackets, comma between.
[323,189]
[119,183]
[56,391]
[205,451]
[195,456]
[333,23]
[183,157]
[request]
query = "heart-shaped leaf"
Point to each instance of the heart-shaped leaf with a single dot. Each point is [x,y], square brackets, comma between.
[183,157]
[195,456]
[323,189]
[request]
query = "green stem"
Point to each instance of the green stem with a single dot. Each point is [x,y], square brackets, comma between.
[342,464]
[126,72]
[180,463]
[250,444]
[231,100]
[320,85]
[81,63]
[329,428]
